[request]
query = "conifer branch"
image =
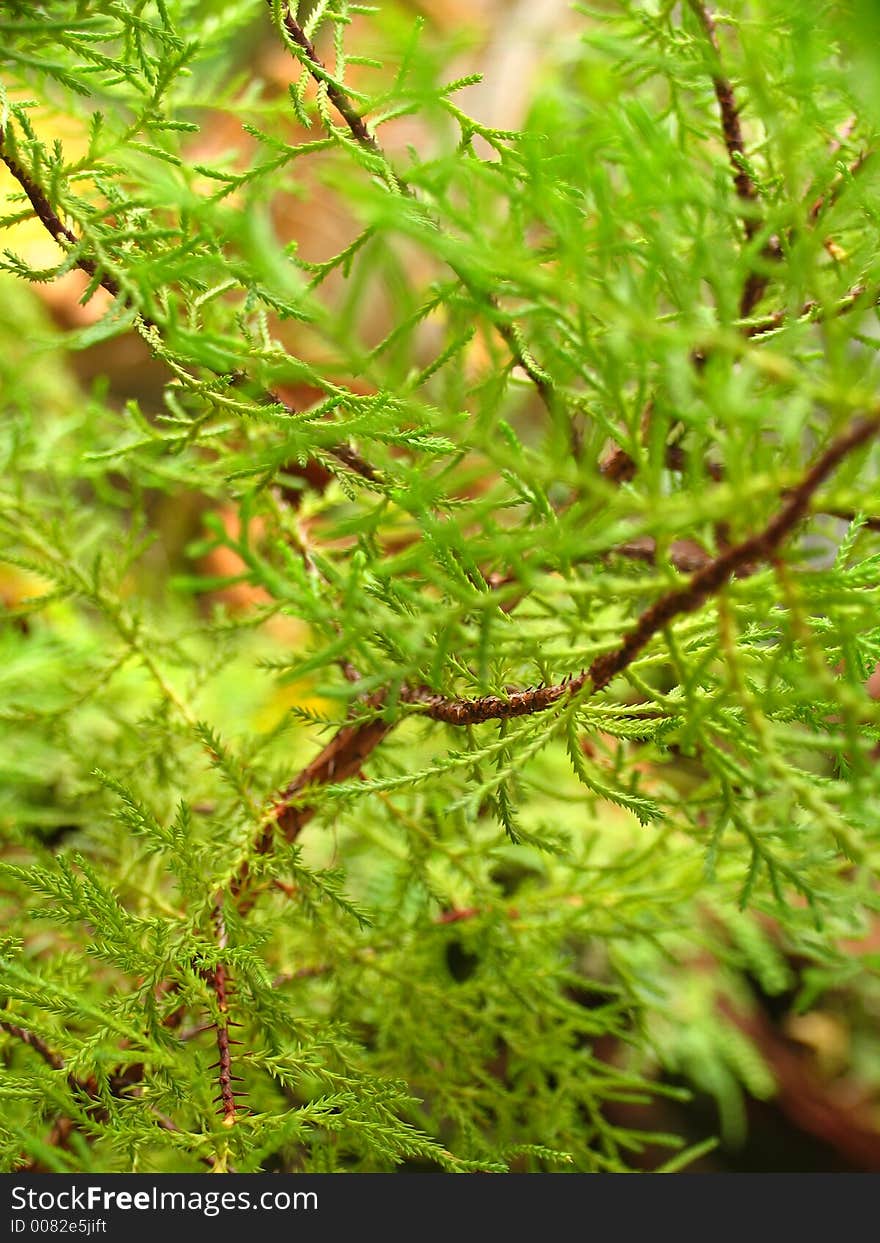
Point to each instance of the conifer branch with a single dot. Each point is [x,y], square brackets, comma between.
[759,547]
[118,1083]
[344,105]
[218,980]
[824,201]
[752,750]
[340,759]
[340,100]
[352,745]
[52,222]
[730,118]
[812,312]
[55,1060]
[619,466]
[731,128]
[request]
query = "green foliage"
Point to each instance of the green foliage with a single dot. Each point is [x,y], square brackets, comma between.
[481,950]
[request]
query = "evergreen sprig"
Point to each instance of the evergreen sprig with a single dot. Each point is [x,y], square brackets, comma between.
[439,682]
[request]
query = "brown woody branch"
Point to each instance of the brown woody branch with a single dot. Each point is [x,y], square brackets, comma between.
[340,100]
[218,981]
[682,552]
[685,555]
[849,515]
[55,1060]
[747,191]
[759,547]
[730,123]
[352,745]
[339,760]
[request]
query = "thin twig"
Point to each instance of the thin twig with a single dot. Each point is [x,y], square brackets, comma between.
[619,466]
[118,1083]
[55,1060]
[67,240]
[730,122]
[218,980]
[52,222]
[831,195]
[340,100]
[812,312]
[757,547]
[344,105]
[731,128]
